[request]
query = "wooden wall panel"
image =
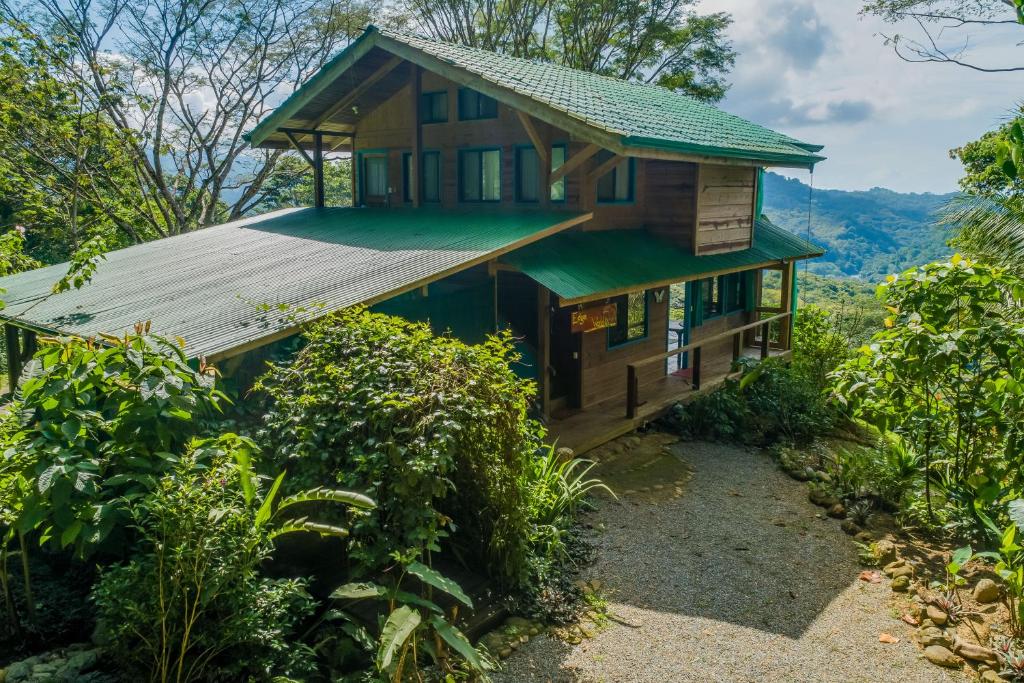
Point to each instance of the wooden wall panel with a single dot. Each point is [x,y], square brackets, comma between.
[604,369]
[670,191]
[726,200]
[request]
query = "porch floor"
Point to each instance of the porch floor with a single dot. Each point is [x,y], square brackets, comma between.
[591,427]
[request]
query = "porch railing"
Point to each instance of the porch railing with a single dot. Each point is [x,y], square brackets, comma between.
[633,377]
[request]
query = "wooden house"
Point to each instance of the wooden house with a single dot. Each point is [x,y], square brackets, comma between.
[490,192]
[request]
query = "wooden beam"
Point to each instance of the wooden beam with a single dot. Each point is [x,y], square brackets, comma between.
[603,168]
[535,137]
[359,90]
[318,171]
[13,340]
[297,147]
[352,175]
[573,162]
[417,137]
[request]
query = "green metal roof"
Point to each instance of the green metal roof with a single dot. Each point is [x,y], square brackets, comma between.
[578,266]
[637,115]
[213,286]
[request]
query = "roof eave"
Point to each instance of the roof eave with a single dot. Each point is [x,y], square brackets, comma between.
[789,160]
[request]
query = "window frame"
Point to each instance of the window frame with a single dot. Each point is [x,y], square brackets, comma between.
[463,92]
[463,151]
[724,308]
[424,107]
[363,155]
[518,188]
[631,198]
[609,343]
[564,146]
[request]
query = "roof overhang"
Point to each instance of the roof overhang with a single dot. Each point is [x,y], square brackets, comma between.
[238,286]
[583,266]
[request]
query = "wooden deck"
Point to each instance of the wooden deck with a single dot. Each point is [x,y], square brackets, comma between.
[587,429]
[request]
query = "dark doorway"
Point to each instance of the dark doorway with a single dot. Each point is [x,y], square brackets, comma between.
[566,351]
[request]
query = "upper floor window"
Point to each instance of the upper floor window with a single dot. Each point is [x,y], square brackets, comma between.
[631,319]
[473,105]
[430,177]
[434,107]
[557,159]
[480,175]
[375,176]
[617,184]
[527,174]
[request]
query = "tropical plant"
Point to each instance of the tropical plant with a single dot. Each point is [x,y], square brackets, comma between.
[381,405]
[946,374]
[97,425]
[191,594]
[415,624]
[1010,567]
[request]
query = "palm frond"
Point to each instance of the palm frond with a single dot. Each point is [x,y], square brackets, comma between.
[988,229]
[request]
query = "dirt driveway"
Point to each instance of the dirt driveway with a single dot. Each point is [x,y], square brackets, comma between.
[733,576]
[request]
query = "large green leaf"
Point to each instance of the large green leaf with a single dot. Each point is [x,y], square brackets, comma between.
[334,495]
[1016,510]
[400,625]
[458,642]
[266,509]
[437,580]
[358,591]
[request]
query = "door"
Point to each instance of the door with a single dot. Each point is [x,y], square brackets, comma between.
[566,351]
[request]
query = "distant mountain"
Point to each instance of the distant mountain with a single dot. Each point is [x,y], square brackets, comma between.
[866,234]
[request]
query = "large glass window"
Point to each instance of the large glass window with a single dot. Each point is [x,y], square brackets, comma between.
[617,184]
[631,319]
[723,294]
[527,175]
[480,175]
[434,107]
[557,159]
[473,105]
[375,176]
[431,177]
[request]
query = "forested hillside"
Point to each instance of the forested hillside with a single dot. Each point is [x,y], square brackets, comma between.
[867,234]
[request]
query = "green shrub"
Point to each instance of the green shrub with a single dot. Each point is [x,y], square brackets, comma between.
[94,426]
[434,430]
[190,604]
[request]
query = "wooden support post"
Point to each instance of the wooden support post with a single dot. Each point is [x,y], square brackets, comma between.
[318,170]
[13,340]
[535,137]
[632,391]
[354,162]
[696,369]
[544,346]
[573,162]
[604,168]
[765,335]
[415,173]
[29,345]
[737,340]
[786,304]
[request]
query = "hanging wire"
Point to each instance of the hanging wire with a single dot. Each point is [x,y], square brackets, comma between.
[810,203]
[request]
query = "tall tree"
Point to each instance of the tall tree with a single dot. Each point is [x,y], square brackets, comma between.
[178,82]
[653,41]
[944,28]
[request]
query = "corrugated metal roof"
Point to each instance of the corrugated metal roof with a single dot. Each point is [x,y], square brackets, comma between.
[639,114]
[220,288]
[578,266]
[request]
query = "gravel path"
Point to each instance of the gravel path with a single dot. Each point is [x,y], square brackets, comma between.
[738,579]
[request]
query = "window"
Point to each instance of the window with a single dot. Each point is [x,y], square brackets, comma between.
[557,159]
[407,176]
[480,175]
[431,174]
[527,175]
[375,176]
[723,294]
[631,319]
[617,184]
[473,105]
[434,107]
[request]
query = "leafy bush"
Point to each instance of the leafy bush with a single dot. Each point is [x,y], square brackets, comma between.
[96,426]
[382,405]
[190,604]
[947,374]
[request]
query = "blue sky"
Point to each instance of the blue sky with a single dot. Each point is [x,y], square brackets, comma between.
[818,71]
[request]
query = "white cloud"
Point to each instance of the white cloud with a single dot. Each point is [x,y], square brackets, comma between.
[817,70]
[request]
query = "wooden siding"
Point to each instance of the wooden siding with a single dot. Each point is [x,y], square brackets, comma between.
[604,369]
[670,192]
[725,206]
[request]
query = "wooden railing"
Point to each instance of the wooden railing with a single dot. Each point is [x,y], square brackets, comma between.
[633,377]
